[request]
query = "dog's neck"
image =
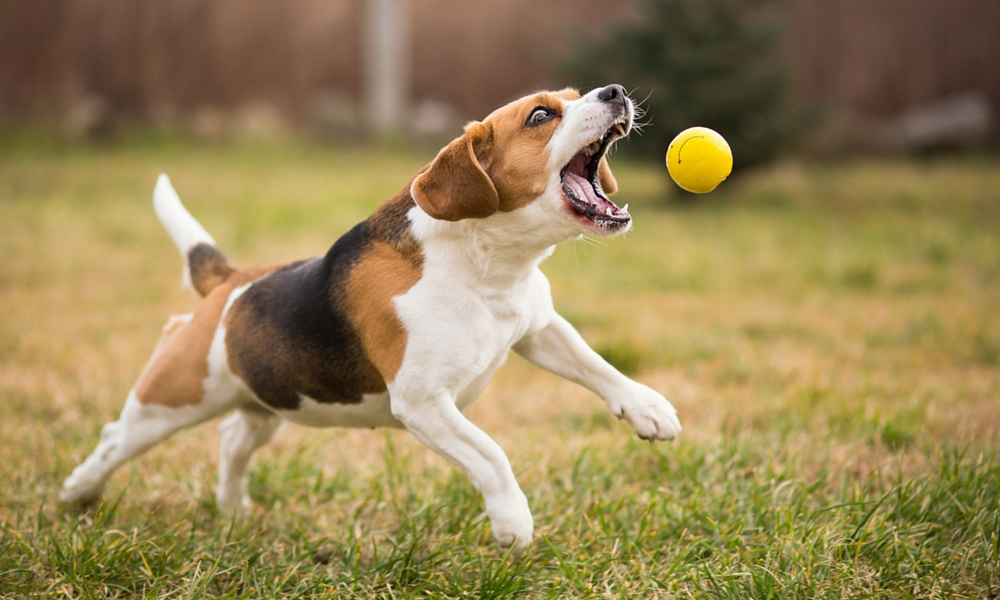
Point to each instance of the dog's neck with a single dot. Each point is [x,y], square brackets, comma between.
[499,252]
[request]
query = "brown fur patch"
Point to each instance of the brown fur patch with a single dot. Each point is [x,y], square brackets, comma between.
[456,187]
[499,164]
[380,276]
[175,374]
[518,162]
[208,267]
[390,224]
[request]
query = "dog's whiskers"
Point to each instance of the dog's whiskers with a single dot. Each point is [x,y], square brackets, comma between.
[593,242]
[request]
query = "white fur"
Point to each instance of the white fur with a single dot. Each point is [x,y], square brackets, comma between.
[139,427]
[243,432]
[182,227]
[480,295]
[372,411]
[584,121]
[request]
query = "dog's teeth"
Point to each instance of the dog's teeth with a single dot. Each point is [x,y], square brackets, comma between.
[607,211]
[625,208]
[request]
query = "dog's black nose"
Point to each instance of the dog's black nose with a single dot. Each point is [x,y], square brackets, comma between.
[612,93]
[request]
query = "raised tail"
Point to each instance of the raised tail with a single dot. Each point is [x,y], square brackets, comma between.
[204,265]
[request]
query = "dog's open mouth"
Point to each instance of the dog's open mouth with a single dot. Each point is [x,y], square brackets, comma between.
[582,186]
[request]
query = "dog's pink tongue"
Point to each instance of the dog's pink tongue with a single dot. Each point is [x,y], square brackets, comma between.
[582,188]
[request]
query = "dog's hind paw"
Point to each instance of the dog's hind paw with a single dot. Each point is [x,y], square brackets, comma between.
[80,493]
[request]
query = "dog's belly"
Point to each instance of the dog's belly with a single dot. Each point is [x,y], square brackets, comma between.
[372,411]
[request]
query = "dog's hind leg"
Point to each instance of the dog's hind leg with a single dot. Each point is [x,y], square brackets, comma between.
[243,432]
[138,428]
[185,382]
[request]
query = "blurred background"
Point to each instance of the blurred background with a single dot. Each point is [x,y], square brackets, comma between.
[825,321]
[831,77]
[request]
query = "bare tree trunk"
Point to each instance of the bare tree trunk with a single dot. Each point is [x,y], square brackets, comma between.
[386,66]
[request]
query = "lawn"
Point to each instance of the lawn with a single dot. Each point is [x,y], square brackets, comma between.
[828,332]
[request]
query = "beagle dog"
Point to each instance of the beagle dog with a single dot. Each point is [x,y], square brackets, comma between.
[406,318]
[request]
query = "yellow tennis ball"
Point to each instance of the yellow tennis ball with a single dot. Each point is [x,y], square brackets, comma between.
[699,159]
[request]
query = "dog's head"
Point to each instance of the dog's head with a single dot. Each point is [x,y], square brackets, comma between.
[541,157]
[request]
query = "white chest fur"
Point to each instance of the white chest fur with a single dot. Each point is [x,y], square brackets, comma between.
[457,331]
[473,302]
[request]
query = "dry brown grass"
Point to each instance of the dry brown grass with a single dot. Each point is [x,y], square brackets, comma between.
[841,320]
[845,306]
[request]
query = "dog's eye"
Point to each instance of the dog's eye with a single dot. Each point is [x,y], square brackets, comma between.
[539,116]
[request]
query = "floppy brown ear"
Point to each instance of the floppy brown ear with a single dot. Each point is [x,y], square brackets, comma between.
[607,180]
[455,186]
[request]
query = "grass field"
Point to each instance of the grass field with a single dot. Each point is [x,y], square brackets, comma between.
[828,333]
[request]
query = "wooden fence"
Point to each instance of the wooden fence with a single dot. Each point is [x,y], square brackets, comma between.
[155,59]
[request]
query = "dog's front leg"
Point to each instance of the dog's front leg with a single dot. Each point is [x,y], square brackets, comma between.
[436,421]
[558,348]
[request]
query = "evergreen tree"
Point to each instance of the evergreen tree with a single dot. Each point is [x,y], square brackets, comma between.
[714,63]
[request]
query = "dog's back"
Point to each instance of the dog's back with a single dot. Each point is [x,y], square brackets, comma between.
[324,328]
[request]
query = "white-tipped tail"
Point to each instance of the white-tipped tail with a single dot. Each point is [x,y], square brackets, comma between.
[183,229]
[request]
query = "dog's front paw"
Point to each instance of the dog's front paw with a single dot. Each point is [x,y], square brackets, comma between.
[651,415]
[512,524]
